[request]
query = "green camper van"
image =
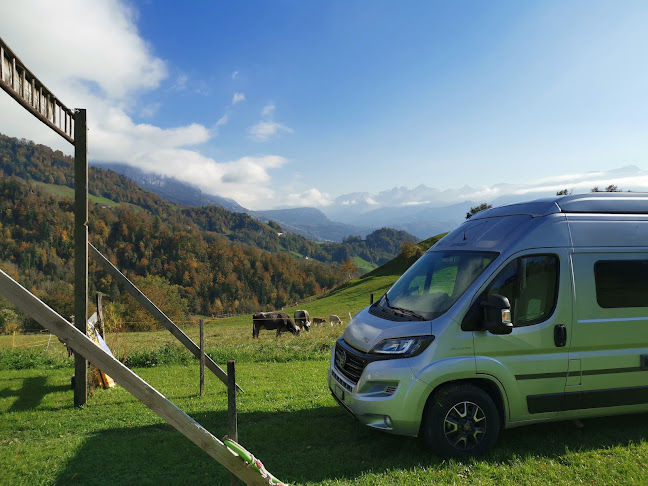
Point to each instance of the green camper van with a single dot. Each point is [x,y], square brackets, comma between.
[524,313]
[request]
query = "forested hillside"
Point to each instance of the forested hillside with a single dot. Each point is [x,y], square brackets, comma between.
[210,272]
[30,161]
[203,259]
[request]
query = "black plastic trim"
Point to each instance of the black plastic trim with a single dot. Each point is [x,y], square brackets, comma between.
[609,371]
[614,397]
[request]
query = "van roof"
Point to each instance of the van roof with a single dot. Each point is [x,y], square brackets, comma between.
[594,202]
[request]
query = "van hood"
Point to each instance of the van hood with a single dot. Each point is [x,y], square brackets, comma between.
[366,330]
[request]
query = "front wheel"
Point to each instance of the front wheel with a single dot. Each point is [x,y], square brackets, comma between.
[461,420]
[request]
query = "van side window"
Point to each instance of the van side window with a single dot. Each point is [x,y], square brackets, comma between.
[621,283]
[531,285]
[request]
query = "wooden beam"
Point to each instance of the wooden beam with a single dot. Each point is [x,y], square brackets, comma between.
[14,85]
[80,251]
[157,313]
[141,390]
[202,359]
[232,414]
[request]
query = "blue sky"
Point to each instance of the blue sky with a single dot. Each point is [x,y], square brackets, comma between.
[290,103]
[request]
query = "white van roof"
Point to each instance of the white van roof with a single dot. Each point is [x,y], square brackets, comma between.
[577,220]
[594,202]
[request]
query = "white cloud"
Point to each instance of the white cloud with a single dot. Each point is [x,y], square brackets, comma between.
[309,198]
[268,110]
[105,74]
[235,74]
[414,203]
[222,121]
[265,130]
[232,179]
[180,83]
[112,56]
[150,110]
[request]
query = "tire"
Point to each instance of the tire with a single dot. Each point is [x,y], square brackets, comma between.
[460,421]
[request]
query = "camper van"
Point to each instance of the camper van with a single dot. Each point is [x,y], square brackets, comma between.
[525,313]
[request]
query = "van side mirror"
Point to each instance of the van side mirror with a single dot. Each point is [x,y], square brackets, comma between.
[497,314]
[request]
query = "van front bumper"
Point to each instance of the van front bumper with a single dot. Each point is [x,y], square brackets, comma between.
[387,396]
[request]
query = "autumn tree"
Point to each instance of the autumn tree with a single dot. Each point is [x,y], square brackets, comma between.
[9,321]
[474,210]
[164,295]
[349,267]
[410,251]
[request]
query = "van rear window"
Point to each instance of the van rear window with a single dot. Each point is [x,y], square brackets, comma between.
[621,283]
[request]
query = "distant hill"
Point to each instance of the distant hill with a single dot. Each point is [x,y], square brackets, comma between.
[296,215]
[419,219]
[311,223]
[171,189]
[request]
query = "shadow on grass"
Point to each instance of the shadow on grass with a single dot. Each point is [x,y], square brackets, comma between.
[316,445]
[31,392]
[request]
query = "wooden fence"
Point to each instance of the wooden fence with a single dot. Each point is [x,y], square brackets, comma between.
[141,390]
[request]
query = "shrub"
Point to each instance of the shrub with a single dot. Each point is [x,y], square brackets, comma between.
[168,354]
[11,359]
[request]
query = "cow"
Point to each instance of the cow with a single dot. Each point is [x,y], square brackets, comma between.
[318,320]
[333,319]
[302,319]
[272,320]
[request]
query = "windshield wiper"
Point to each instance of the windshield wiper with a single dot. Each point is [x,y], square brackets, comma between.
[400,310]
[407,312]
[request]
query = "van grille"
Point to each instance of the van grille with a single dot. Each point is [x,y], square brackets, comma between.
[348,363]
[343,383]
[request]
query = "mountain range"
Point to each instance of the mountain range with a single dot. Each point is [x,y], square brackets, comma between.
[422,211]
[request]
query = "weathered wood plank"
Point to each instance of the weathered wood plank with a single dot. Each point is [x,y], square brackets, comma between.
[157,313]
[80,251]
[232,413]
[16,74]
[202,359]
[141,390]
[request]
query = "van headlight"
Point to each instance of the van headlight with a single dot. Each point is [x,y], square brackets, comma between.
[403,347]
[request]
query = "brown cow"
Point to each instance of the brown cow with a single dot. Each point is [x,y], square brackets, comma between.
[272,320]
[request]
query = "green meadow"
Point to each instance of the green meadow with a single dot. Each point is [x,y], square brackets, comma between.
[286,415]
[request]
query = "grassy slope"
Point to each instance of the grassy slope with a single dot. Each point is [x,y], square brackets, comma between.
[64,191]
[286,417]
[363,265]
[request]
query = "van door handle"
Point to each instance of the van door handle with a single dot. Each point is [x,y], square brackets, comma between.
[560,335]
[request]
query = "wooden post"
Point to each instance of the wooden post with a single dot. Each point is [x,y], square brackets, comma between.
[231,410]
[133,384]
[80,251]
[157,313]
[202,358]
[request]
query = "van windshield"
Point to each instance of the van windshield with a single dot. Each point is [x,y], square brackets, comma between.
[434,283]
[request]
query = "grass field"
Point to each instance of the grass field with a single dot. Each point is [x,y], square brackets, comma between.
[287,418]
[64,191]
